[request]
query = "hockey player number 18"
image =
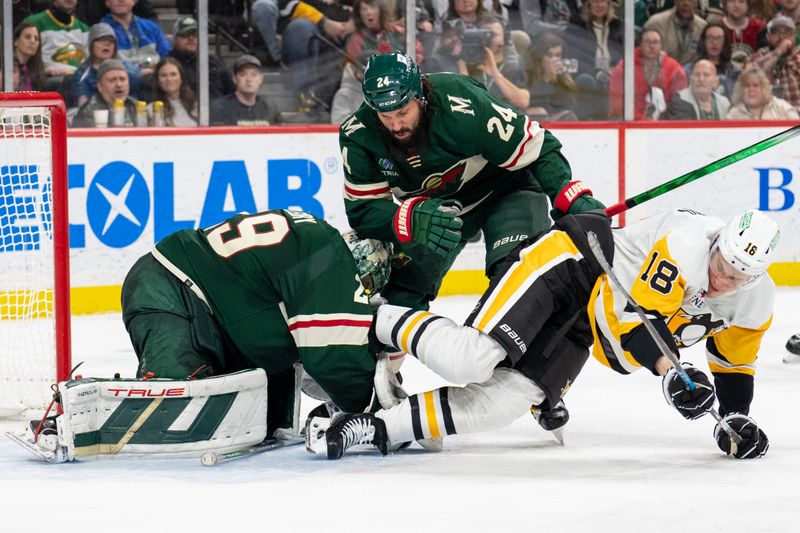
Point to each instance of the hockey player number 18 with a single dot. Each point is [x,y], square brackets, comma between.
[266,229]
[662,276]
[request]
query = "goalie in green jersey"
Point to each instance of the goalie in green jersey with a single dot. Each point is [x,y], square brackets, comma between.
[459,161]
[229,323]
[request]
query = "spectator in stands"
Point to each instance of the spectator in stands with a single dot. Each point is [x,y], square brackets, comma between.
[244,107]
[780,60]
[102,46]
[680,29]
[376,30]
[753,99]
[180,102]
[28,57]
[139,40]
[790,8]
[715,46]
[112,85]
[500,69]
[656,78]
[64,40]
[551,16]
[763,10]
[552,89]
[92,11]
[349,97]
[310,29]
[742,29]
[446,9]
[596,41]
[447,54]
[265,15]
[699,101]
[184,49]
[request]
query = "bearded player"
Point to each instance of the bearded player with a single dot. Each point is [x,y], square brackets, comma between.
[459,161]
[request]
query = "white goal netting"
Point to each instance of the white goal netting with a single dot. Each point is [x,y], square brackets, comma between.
[27,325]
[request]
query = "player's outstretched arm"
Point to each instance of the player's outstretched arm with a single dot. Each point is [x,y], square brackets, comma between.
[690,403]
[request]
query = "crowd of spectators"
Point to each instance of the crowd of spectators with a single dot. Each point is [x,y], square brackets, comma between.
[556,60]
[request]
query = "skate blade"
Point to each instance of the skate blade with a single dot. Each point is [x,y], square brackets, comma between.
[790,358]
[558,434]
[50,458]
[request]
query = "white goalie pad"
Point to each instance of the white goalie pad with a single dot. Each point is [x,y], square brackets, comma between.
[156,418]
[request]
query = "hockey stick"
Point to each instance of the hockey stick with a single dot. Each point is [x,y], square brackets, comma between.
[658,190]
[214,458]
[597,251]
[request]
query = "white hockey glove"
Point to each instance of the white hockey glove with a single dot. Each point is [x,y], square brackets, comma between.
[387,384]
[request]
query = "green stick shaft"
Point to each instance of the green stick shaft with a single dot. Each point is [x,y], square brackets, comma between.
[744,153]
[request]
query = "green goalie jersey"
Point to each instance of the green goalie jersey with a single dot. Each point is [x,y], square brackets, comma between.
[475,145]
[284,288]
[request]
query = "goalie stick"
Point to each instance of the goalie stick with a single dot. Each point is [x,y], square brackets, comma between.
[597,251]
[214,458]
[705,170]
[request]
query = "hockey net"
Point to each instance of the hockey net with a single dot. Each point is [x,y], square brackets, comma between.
[34,251]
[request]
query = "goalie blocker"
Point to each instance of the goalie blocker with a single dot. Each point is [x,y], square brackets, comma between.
[154,418]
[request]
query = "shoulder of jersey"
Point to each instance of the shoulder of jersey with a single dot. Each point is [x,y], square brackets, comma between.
[455,94]
[689,240]
[360,126]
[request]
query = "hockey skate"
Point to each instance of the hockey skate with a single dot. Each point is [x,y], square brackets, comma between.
[552,420]
[44,446]
[345,432]
[792,354]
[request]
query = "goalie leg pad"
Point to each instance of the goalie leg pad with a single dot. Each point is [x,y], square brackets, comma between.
[168,418]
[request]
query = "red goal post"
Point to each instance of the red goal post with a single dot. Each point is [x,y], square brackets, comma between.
[34,250]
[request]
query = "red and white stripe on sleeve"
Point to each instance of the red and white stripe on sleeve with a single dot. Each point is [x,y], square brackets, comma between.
[528,149]
[325,329]
[369,191]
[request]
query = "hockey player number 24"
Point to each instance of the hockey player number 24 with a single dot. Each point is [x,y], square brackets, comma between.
[265,229]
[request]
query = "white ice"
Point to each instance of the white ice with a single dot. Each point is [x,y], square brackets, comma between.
[630,463]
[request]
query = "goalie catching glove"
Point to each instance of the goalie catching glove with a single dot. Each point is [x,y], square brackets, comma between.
[433,223]
[754,441]
[691,404]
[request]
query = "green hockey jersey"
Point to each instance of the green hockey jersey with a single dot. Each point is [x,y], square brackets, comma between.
[475,144]
[283,288]
[63,45]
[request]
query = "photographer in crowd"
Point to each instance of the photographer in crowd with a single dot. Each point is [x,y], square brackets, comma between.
[552,89]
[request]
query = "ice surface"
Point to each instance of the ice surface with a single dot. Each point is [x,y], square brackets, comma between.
[630,464]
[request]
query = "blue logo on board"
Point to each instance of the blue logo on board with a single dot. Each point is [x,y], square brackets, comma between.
[118,204]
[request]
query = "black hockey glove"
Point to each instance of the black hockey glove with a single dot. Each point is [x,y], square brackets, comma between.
[691,404]
[430,222]
[754,441]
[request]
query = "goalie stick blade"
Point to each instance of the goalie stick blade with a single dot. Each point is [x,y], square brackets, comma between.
[214,458]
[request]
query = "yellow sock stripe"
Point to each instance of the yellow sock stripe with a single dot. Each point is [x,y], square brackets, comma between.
[542,253]
[111,449]
[430,414]
[411,325]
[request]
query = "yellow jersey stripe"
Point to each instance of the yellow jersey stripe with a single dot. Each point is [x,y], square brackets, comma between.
[410,327]
[430,414]
[554,247]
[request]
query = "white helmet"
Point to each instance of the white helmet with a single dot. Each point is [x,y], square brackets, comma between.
[748,242]
[373,260]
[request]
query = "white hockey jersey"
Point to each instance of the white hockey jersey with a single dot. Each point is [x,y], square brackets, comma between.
[663,263]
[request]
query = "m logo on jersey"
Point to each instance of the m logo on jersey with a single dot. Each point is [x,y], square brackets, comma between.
[460,105]
[688,329]
[351,125]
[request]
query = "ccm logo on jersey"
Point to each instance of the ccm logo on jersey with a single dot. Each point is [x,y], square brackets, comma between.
[506,240]
[147,393]
[514,337]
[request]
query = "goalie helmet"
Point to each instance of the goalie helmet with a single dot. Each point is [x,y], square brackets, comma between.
[373,260]
[748,242]
[391,81]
